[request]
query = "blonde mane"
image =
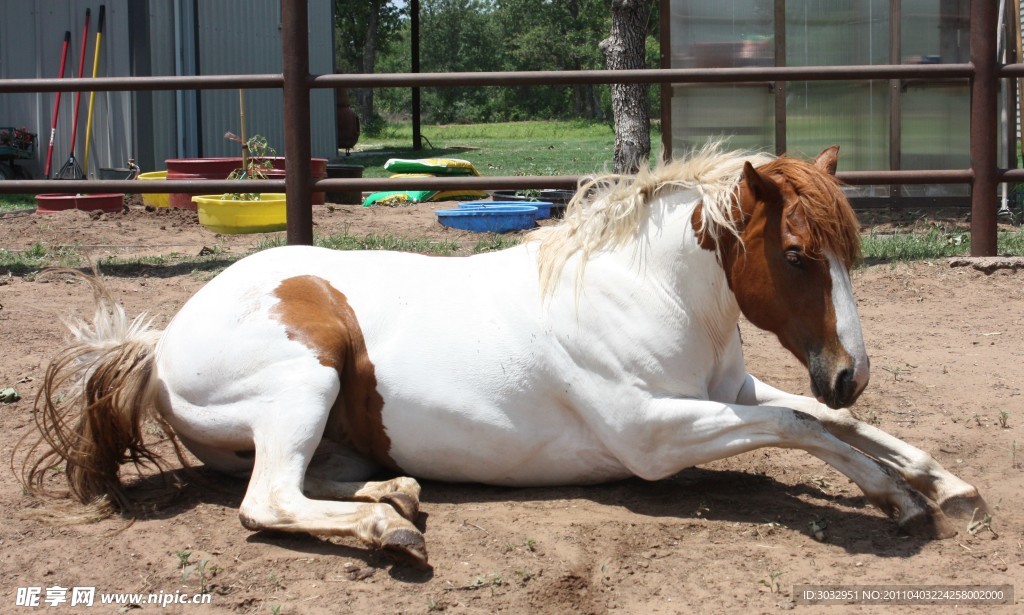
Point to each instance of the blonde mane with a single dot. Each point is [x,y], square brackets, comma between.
[607,210]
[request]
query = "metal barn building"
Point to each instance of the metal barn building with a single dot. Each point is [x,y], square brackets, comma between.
[158,37]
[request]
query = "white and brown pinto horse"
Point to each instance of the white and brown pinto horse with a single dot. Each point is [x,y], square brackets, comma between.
[601,348]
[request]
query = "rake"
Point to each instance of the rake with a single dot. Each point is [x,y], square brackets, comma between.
[71,170]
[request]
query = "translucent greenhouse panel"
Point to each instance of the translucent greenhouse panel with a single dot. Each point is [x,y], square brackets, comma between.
[744,114]
[851,114]
[936,134]
[722,33]
[837,32]
[935,31]
[935,116]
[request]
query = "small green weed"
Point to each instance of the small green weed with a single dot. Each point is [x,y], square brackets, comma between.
[495,243]
[772,582]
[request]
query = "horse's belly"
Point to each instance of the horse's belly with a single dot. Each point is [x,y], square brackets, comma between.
[531,444]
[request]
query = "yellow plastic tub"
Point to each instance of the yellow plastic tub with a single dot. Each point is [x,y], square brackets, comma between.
[231,217]
[154,199]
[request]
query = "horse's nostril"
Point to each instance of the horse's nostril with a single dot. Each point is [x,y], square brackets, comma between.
[845,383]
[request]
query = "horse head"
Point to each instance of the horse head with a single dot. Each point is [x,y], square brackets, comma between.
[790,268]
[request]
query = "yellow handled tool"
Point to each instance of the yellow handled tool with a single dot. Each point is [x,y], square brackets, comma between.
[92,95]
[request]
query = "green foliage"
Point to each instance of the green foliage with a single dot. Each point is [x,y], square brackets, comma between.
[256,165]
[506,35]
[351,25]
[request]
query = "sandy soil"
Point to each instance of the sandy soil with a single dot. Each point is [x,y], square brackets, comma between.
[733,536]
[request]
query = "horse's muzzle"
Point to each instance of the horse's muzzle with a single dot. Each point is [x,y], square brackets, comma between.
[832,387]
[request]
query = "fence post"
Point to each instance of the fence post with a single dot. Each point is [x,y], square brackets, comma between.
[984,110]
[295,54]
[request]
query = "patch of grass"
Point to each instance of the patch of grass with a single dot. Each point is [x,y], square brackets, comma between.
[935,242]
[395,243]
[495,243]
[39,256]
[910,246]
[16,202]
[348,241]
[1010,243]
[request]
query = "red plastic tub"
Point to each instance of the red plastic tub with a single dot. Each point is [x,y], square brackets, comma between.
[220,168]
[198,168]
[53,203]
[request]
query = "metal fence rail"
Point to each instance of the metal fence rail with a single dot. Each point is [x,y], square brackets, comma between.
[983,71]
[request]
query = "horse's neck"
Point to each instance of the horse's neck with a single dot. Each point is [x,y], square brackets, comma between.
[669,255]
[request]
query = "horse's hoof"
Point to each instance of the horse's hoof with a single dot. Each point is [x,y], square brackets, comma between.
[965,505]
[407,542]
[403,503]
[929,525]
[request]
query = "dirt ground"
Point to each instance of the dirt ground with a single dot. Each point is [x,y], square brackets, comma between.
[732,536]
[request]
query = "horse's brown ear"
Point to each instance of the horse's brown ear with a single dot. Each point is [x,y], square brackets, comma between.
[761,187]
[827,160]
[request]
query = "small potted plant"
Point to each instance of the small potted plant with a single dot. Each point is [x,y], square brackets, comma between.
[245,212]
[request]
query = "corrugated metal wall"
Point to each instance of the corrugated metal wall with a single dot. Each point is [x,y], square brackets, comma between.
[31,37]
[142,37]
[256,48]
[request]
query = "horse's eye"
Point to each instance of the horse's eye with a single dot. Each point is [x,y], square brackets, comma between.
[794,258]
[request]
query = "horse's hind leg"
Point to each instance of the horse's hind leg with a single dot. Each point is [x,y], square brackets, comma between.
[338,473]
[285,442]
[954,496]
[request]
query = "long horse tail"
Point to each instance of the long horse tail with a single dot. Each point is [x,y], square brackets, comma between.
[93,405]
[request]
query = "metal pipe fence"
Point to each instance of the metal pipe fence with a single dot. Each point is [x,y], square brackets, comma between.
[983,71]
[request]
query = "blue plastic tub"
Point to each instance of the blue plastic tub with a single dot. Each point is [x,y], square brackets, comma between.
[495,219]
[543,208]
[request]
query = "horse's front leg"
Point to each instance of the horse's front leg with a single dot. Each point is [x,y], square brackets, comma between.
[956,497]
[672,434]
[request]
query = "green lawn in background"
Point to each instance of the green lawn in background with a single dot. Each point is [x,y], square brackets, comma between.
[509,148]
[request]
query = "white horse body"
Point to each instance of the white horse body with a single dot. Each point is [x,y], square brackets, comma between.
[482,379]
[603,348]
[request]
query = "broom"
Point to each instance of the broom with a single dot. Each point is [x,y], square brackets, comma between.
[56,103]
[71,170]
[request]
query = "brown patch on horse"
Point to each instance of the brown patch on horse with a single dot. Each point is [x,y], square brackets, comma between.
[831,222]
[705,238]
[319,316]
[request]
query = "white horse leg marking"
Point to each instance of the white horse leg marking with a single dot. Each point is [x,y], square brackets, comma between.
[274,500]
[955,496]
[680,433]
